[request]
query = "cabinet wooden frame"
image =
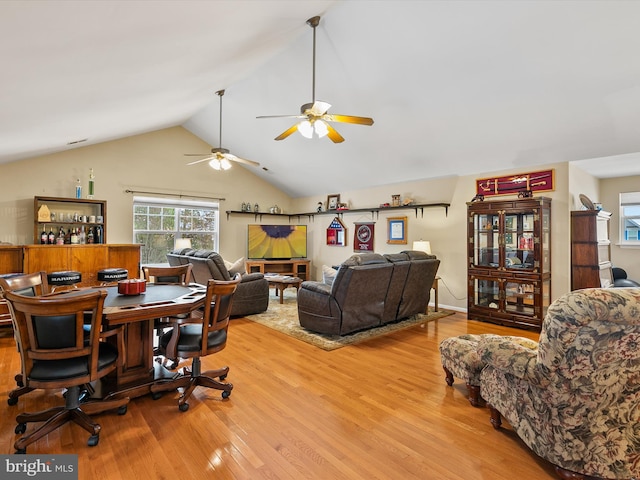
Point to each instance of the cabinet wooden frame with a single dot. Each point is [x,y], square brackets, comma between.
[509,261]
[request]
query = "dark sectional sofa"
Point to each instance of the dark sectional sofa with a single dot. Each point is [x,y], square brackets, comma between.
[252,294]
[369,290]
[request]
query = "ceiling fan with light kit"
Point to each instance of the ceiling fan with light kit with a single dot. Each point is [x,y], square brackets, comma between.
[314,116]
[220,158]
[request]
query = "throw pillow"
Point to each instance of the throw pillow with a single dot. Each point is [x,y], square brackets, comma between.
[328,274]
[236,267]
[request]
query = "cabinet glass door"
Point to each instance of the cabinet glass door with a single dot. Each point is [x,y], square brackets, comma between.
[487,293]
[519,298]
[486,236]
[519,240]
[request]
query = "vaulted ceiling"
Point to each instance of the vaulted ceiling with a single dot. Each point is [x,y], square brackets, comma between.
[454,87]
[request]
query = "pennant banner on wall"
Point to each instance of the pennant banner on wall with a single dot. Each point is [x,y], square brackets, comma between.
[363,237]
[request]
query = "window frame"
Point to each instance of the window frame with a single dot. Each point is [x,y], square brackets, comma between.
[176,231]
[628,199]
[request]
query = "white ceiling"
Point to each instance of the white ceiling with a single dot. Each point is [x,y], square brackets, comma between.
[455,87]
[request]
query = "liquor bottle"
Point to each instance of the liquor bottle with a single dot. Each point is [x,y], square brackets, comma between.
[90,235]
[73,237]
[60,238]
[78,189]
[44,238]
[82,236]
[98,237]
[91,180]
[52,237]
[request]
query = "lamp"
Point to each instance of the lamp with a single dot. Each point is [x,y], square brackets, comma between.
[422,246]
[182,243]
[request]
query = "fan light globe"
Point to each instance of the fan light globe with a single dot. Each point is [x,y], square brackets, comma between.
[225,164]
[321,128]
[305,129]
[215,164]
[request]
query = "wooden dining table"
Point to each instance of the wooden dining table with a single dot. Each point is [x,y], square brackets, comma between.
[137,313]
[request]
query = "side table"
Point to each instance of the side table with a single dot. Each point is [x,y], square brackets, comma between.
[280,282]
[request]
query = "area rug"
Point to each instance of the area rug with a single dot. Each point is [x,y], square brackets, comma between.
[284,318]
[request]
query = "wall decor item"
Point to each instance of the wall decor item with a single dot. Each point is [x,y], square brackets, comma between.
[395,200]
[337,233]
[542,181]
[397,230]
[363,237]
[333,201]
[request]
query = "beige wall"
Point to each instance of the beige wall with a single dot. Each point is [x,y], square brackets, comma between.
[446,232]
[148,162]
[155,162]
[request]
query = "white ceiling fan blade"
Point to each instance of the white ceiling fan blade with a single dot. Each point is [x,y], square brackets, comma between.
[233,158]
[318,108]
[282,116]
[197,154]
[202,160]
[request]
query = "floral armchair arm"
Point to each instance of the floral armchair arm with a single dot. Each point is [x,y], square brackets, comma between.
[514,355]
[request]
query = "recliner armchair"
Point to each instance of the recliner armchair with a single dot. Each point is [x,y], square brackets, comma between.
[252,294]
[575,399]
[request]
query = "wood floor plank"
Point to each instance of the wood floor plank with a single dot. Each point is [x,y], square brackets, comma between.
[377,410]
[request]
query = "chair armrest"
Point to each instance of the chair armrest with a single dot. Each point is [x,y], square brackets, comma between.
[175,322]
[120,345]
[317,287]
[514,355]
[250,277]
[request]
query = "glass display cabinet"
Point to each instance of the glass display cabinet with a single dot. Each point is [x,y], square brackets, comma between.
[509,253]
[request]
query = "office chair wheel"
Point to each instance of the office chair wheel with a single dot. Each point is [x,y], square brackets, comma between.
[226,394]
[21,451]
[93,440]
[156,395]
[184,407]
[12,400]
[122,410]
[20,428]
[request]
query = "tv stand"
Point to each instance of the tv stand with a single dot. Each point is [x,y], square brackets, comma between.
[296,267]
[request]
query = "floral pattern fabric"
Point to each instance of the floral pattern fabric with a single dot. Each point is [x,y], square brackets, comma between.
[575,401]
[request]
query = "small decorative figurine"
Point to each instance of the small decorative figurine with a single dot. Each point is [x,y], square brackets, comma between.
[319,209]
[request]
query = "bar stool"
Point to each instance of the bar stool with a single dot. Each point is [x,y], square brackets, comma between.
[66,279]
[112,275]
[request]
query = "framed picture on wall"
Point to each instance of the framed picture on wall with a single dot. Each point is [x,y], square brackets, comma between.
[397,230]
[333,201]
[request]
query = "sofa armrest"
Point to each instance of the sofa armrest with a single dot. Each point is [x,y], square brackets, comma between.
[251,277]
[514,355]
[317,287]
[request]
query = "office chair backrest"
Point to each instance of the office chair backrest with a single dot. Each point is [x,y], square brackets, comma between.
[29,284]
[180,274]
[50,330]
[219,297]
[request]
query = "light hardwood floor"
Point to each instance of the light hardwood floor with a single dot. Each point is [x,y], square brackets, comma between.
[378,410]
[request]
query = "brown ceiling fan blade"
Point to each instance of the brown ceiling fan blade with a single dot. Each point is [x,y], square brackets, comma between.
[334,135]
[348,119]
[201,160]
[286,133]
[233,158]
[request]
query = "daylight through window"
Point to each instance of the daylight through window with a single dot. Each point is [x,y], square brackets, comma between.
[158,223]
[629,218]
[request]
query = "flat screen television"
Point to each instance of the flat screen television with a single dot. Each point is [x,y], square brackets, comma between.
[276,242]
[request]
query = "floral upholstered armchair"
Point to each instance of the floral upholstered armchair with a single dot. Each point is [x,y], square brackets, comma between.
[575,401]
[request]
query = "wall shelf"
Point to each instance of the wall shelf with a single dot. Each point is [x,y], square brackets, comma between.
[310,215]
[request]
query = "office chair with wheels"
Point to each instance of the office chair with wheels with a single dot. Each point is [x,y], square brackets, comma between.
[31,285]
[176,275]
[56,353]
[196,337]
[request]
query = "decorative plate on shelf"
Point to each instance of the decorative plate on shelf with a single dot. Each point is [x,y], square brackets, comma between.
[586,202]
